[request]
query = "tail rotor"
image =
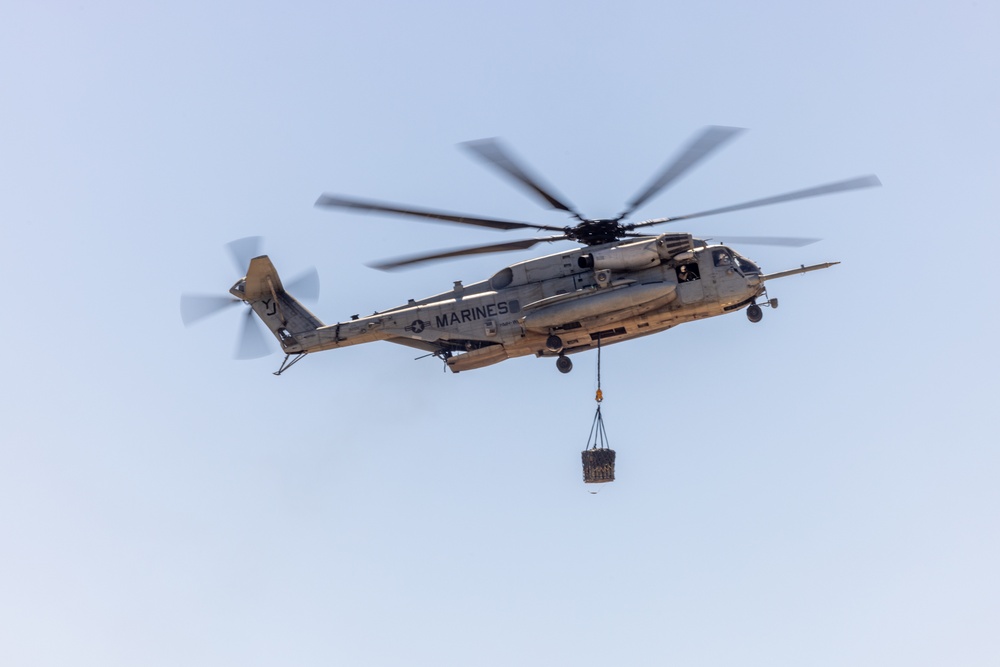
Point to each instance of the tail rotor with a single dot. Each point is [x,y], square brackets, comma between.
[252,341]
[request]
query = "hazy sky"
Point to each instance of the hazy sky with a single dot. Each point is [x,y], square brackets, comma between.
[817,489]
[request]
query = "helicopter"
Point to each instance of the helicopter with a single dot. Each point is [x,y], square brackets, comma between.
[621,284]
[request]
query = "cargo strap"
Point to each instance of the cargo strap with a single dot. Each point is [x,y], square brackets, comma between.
[600,394]
[598,438]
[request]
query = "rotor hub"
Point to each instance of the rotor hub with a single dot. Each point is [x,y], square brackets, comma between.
[595,232]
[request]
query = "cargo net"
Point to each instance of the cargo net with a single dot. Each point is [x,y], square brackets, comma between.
[598,458]
[598,462]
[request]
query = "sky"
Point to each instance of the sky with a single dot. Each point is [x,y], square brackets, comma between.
[819,488]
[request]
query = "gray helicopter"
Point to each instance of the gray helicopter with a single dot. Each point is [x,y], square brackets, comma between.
[620,285]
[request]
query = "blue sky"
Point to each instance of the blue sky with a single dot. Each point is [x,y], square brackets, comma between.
[819,488]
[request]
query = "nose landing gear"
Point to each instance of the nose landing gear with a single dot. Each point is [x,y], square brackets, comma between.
[755,314]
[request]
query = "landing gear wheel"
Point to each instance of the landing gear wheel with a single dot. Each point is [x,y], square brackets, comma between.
[754,313]
[553,343]
[564,364]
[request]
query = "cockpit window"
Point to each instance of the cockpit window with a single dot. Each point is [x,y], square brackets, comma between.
[721,257]
[745,265]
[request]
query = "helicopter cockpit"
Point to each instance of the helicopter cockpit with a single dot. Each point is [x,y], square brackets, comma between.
[728,257]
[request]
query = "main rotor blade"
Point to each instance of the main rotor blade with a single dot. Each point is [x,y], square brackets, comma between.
[304,286]
[710,139]
[830,188]
[251,343]
[785,241]
[460,252]
[243,250]
[196,307]
[492,153]
[366,206]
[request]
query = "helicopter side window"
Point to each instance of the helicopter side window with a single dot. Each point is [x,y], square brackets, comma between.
[687,272]
[722,258]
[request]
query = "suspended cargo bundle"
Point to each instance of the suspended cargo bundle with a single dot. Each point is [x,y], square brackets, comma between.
[598,466]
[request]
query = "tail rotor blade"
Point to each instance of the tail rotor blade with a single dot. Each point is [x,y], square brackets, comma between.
[305,286]
[251,344]
[243,250]
[195,307]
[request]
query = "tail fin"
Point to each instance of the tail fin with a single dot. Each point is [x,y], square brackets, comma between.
[279,310]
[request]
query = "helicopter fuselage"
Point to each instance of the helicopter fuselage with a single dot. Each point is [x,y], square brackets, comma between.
[559,304]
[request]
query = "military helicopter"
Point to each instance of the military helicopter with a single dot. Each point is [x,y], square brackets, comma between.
[623,283]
